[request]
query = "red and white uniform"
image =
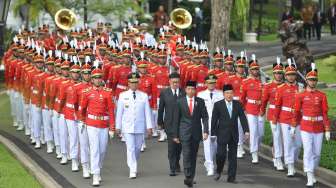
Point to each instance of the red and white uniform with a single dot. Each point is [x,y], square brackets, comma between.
[121,82]
[311,109]
[251,92]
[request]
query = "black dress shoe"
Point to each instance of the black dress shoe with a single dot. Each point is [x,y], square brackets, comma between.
[231,180]
[217,176]
[188,182]
[172,173]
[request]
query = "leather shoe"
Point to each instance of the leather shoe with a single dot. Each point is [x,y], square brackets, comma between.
[217,176]
[188,182]
[231,179]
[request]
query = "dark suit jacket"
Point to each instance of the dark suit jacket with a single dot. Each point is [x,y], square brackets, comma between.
[189,126]
[167,106]
[322,18]
[225,127]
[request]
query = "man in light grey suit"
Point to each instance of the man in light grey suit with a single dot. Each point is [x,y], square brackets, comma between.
[133,119]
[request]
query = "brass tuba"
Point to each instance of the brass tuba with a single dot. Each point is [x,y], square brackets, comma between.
[181,18]
[65,19]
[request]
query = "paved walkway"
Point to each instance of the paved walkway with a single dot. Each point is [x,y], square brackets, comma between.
[153,167]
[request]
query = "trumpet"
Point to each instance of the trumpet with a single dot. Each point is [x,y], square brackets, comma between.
[181,18]
[65,19]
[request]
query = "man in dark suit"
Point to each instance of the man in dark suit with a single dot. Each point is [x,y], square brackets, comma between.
[167,106]
[318,20]
[224,125]
[189,115]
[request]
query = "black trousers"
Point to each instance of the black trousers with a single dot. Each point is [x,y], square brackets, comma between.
[307,27]
[318,27]
[189,150]
[332,22]
[232,157]
[174,153]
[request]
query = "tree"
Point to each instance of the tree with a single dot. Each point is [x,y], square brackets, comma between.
[220,23]
[103,7]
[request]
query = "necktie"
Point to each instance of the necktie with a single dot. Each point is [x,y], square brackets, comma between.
[134,96]
[211,95]
[190,105]
[175,93]
[229,107]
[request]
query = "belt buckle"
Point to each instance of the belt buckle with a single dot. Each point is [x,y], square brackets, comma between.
[100,117]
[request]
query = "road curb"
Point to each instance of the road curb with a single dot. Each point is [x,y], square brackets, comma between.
[323,175]
[33,168]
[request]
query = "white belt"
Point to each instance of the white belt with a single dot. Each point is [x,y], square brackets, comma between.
[272,106]
[121,86]
[310,118]
[98,117]
[200,85]
[69,105]
[35,91]
[57,100]
[253,101]
[287,109]
[161,86]
[236,98]
[44,94]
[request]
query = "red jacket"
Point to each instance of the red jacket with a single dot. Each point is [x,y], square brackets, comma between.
[148,85]
[96,107]
[37,88]
[235,81]
[312,111]
[268,96]
[198,74]
[284,104]
[46,91]
[161,76]
[55,93]
[251,90]
[121,81]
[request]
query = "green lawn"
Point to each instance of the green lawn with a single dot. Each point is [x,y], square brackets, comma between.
[326,69]
[269,37]
[12,173]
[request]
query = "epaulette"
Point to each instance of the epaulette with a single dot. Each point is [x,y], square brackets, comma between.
[66,81]
[281,85]
[77,84]
[86,89]
[107,89]
[231,76]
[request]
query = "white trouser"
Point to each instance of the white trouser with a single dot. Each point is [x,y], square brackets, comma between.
[291,145]
[63,134]
[256,126]
[31,118]
[98,138]
[312,145]
[18,108]
[36,121]
[12,103]
[133,145]
[277,140]
[73,138]
[210,148]
[55,128]
[26,114]
[154,119]
[47,128]
[84,143]
[241,134]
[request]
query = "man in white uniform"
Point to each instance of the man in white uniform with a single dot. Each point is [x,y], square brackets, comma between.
[210,96]
[133,118]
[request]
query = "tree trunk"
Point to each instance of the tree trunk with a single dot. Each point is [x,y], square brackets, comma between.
[220,23]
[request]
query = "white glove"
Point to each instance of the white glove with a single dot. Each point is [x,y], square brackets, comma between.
[79,123]
[111,134]
[8,92]
[292,131]
[327,135]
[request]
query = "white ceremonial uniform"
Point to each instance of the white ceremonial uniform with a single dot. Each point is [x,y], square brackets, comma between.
[133,118]
[210,144]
